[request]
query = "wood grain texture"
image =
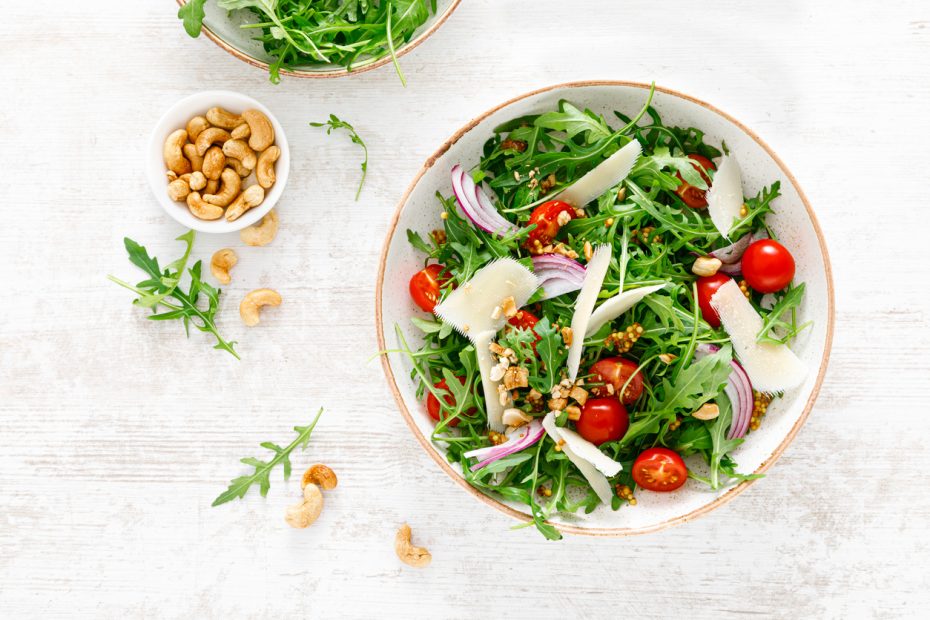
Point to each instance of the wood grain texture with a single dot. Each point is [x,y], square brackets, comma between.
[116,433]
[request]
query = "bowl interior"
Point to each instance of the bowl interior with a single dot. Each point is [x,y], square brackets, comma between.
[793,222]
[227,27]
[176,118]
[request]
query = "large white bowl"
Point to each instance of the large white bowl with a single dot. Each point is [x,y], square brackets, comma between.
[223,28]
[176,118]
[793,221]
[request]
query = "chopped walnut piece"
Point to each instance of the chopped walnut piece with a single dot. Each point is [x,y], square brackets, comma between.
[496,349]
[534,397]
[516,377]
[557,404]
[513,145]
[579,394]
[574,412]
[567,336]
[509,306]
[548,183]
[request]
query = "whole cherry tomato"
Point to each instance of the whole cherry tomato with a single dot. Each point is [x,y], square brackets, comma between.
[706,287]
[602,420]
[767,266]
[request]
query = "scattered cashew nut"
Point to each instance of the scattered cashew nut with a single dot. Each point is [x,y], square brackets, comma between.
[209,137]
[220,264]
[240,169]
[174,157]
[213,163]
[224,119]
[201,209]
[264,169]
[211,186]
[197,181]
[251,305]
[307,511]
[251,197]
[196,126]
[262,132]
[418,557]
[229,188]
[320,475]
[178,190]
[241,151]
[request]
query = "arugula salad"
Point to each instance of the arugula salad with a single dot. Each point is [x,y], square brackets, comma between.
[601,301]
[321,32]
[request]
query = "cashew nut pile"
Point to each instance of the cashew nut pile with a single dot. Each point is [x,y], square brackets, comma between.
[211,161]
[307,511]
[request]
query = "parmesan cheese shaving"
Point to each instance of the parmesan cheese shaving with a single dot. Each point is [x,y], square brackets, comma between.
[617,305]
[595,478]
[771,367]
[602,177]
[725,196]
[584,304]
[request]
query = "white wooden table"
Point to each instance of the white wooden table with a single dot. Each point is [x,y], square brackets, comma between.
[116,433]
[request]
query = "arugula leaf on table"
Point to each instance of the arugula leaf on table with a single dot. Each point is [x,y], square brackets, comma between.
[162,285]
[334,123]
[240,486]
[192,14]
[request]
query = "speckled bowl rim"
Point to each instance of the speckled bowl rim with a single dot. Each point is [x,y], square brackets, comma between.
[568,528]
[336,73]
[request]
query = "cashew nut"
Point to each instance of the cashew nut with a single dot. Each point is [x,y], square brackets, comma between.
[213,163]
[223,118]
[201,209]
[241,132]
[211,186]
[197,181]
[706,266]
[306,512]
[229,188]
[262,132]
[209,137]
[220,264]
[251,305]
[418,557]
[240,169]
[174,158]
[196,126]
[190,152]
[178,190]
[264,169]
[251,197]
[241,151]
[172,175]
[708,411]
[261,233]
[320,475]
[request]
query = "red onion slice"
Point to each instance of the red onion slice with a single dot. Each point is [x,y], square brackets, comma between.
[738,390]
[522,438]
[733,269]
[476,205]
[733,252]
[558,274]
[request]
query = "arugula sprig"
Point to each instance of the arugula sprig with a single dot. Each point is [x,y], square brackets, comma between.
[262,474]
[162,285]
[335,123]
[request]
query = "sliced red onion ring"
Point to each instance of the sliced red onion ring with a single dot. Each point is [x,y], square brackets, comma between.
[738,390]
[476,205]
[520,439]
[733,269]
[558,274]
[733,252]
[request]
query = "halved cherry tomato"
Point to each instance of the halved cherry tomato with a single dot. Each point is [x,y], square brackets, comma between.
[602,420]
[432,403]
[546,218]
[767,266]
[615,371]
[659,469]
[524,319]
[424,286]
[706,287]
[692,196]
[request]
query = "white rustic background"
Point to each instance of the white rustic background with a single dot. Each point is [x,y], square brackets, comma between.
[116,433]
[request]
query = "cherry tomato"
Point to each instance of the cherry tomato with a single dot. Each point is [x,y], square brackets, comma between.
[767,266]
[615,371]
[546,217]
[659,469]
[602,420]
[706,287]
[692,196]
[524,319]
[424,286]
[432,403]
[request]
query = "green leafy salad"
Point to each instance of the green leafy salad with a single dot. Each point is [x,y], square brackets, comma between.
[300,33]
[601,300]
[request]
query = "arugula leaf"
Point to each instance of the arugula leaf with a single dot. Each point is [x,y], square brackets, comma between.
[718,437]
[573,122]
[162,285]
[697,384]
[790,301]
[335,123]
[192,14]
[552,352]
[262,474]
